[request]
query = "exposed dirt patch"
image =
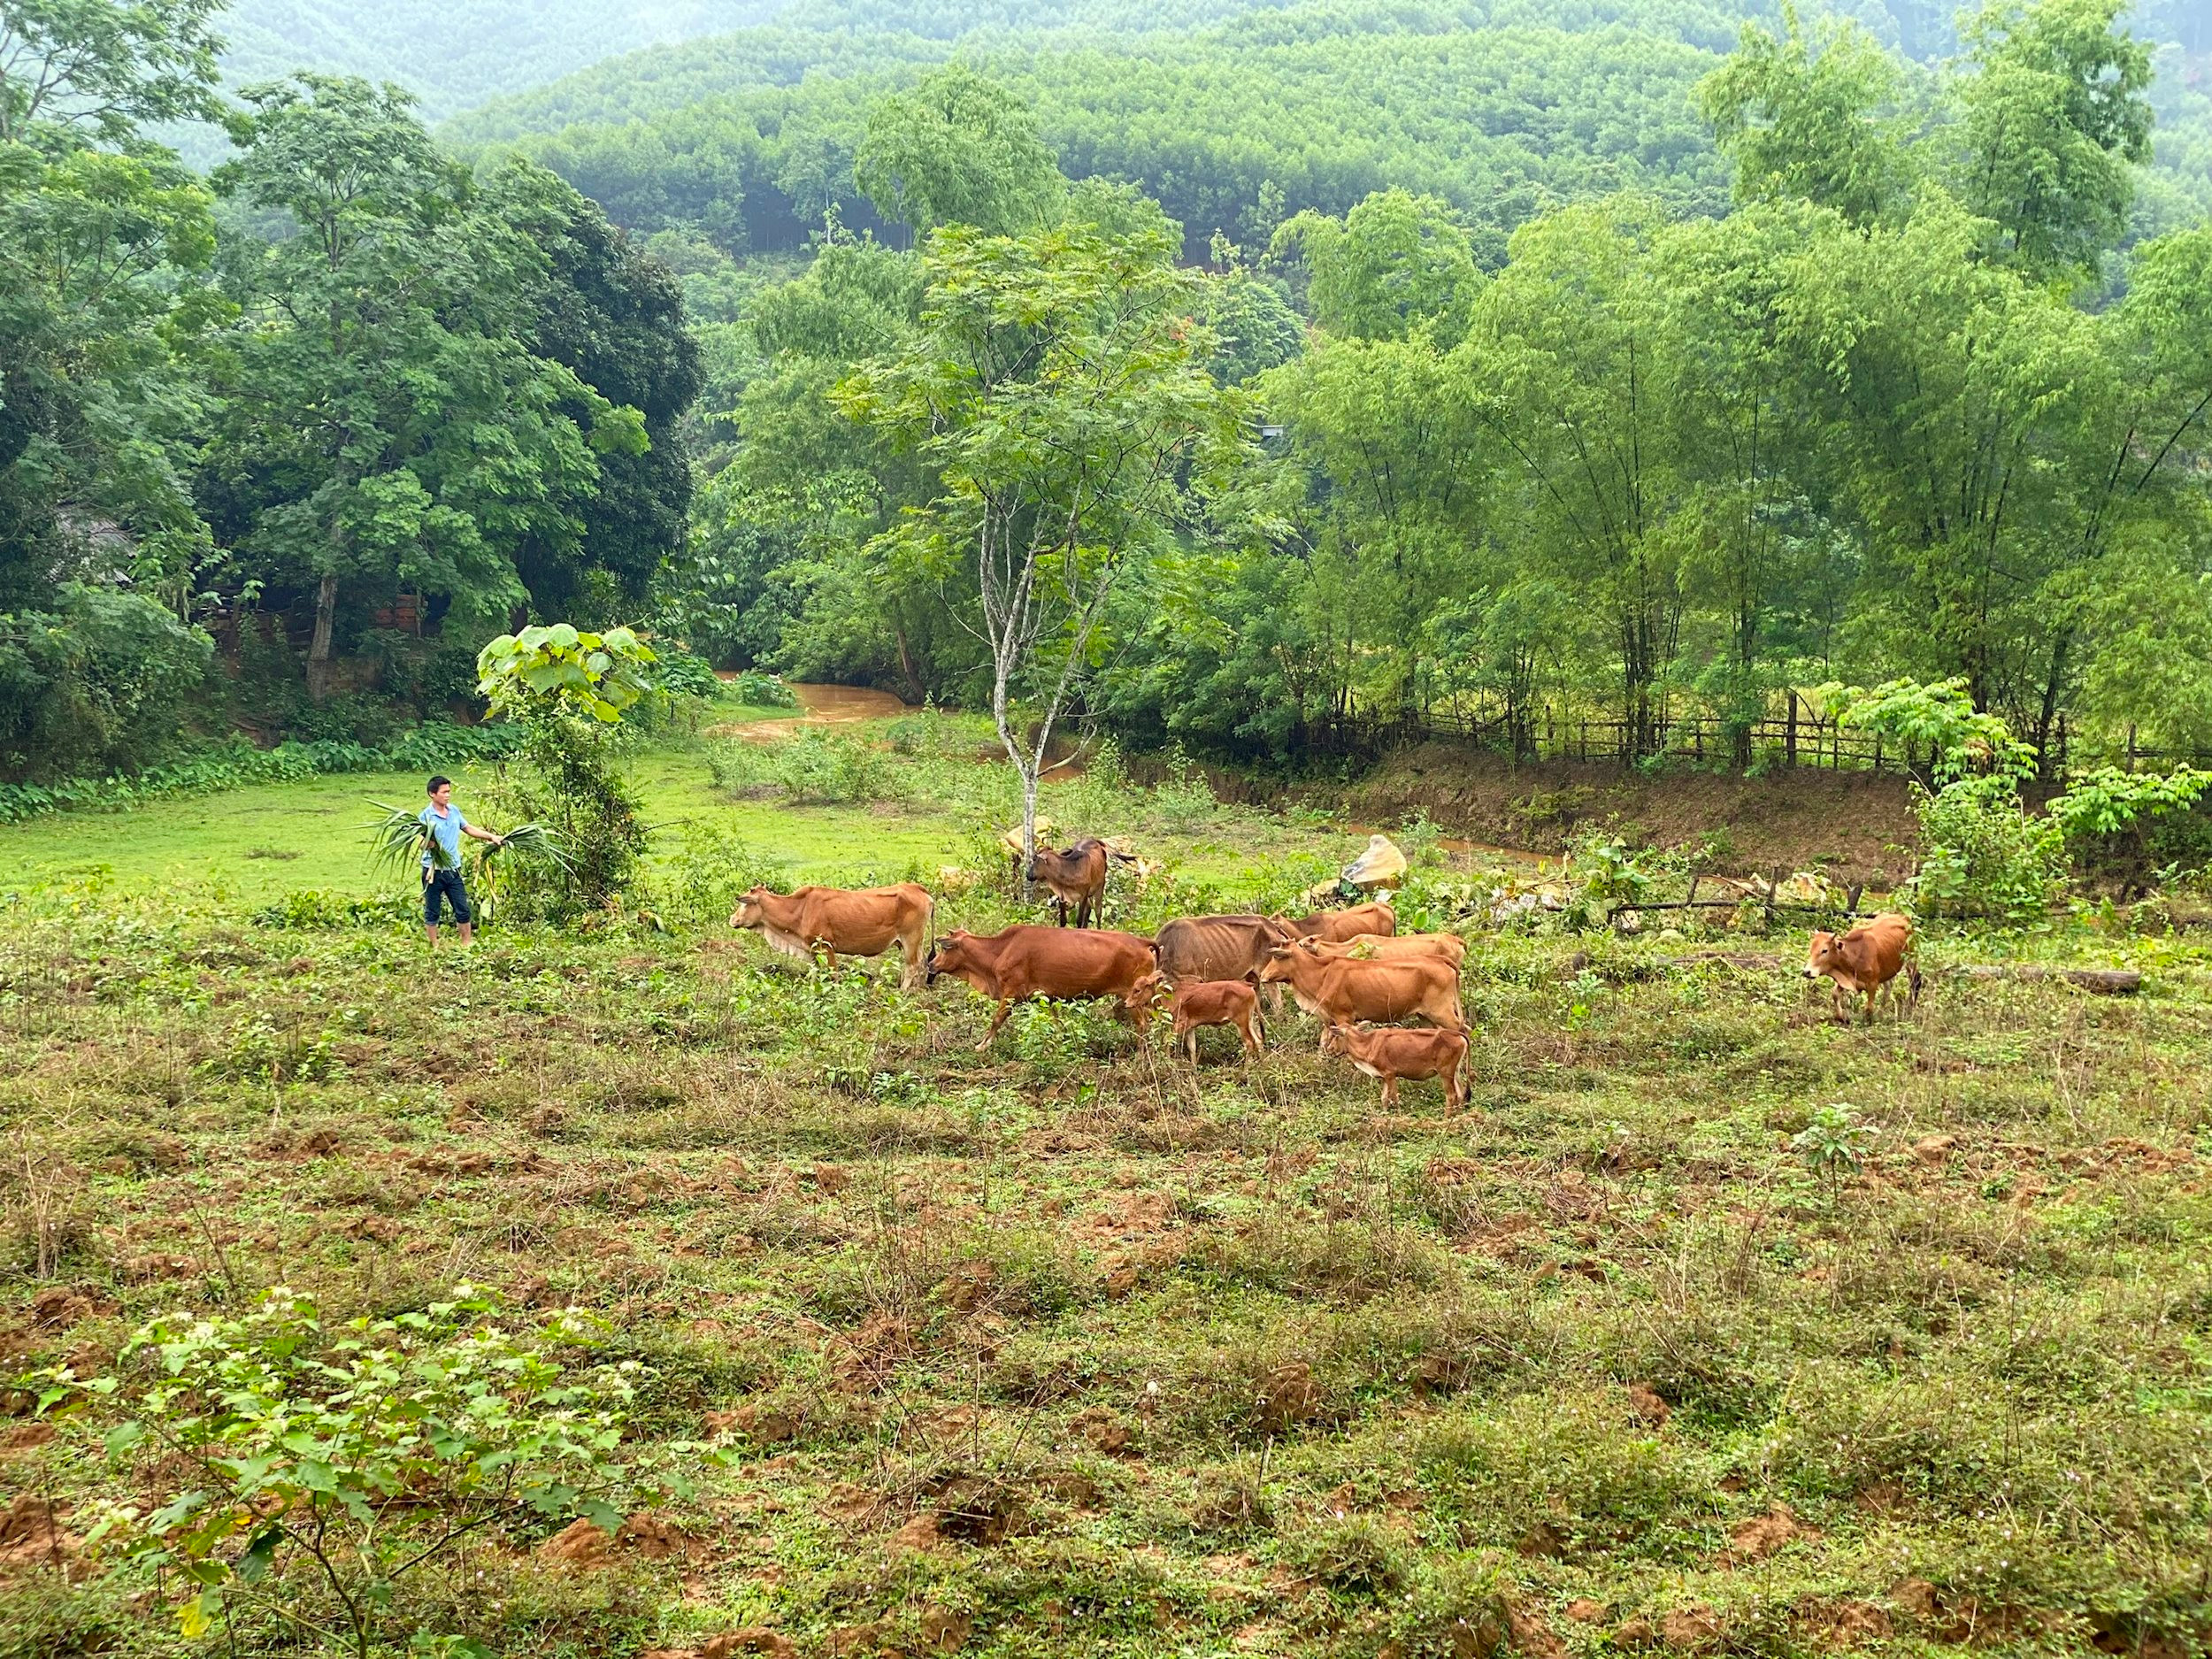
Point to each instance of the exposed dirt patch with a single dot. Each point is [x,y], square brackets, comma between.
[1852,822]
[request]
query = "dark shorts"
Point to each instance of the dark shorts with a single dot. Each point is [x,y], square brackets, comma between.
[446,884]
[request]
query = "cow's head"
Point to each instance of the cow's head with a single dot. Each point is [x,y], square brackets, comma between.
[1336,1039]
[948,954]
[1821,956]
[1148,992]
[749,911]
[1276,970]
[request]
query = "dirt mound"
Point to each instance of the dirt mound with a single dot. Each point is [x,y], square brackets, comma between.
[1859,826]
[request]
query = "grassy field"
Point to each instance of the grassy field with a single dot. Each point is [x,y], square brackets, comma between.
[1068,1348]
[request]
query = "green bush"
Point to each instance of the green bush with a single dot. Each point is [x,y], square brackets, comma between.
[1983,853]
[2126,824]
[99,683]
[810,768]
[757,688]
[335,1463]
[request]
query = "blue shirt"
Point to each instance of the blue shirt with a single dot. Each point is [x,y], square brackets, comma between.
[447,828]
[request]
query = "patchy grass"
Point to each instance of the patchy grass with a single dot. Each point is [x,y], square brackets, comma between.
[1068,1348]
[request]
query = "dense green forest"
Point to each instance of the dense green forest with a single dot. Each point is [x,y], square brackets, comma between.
[1497,106]
[1549,359]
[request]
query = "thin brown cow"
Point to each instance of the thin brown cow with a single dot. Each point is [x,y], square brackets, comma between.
[1391,1054]
[1025,962]
[839,921]
[1865,961]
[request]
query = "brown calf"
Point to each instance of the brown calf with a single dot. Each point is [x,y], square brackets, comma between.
[1025,962]
[866,923]
[1076,877]
[1391,1054]
[1231,1002]
[1864,961]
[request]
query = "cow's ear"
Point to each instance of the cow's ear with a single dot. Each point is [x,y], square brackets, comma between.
[1251,976]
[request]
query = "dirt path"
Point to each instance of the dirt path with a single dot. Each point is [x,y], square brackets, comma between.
[823,705]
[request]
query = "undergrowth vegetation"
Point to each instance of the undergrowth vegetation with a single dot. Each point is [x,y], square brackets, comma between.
[1711,1327]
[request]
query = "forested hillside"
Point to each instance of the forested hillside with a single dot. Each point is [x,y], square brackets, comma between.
[1495,105]
[453,54]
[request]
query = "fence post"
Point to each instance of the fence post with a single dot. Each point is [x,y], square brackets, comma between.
[2130,746]
[1789,732]
[1586,739]
[1878,754]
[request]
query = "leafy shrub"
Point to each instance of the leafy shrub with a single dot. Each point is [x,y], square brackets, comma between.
[809,767]
[1183,801]
[353,1457]
[1610,869]
[759,689]
[708,873]
[1984,853]
[98,683]
[2126,822]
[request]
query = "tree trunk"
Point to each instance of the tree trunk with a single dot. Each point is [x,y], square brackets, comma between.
[319,649]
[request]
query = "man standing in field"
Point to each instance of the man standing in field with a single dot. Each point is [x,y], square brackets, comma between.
[442,882]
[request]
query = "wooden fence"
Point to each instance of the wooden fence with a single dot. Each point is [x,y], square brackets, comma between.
[1793,734]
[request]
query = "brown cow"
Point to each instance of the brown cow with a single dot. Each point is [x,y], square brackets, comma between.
[1392,1054]
[1232,1003]
[1194,947]
[1025,962]
[1343,993]
[1393,947]
[1864,961]
[1336,927]
[858,923]
[1077,876]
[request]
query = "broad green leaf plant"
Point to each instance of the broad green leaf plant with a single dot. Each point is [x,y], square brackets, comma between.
[564,670]
[353,1454]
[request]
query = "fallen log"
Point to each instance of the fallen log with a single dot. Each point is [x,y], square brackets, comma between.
[2101,981]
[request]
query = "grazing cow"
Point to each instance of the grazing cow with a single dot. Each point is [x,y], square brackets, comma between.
[1391,948]
[1392,1054]
[1025,962]
[1077,876]
[1864,961]
[856,923]
[1232,1003]
[1194,947]
[1345,992]
[1335,927]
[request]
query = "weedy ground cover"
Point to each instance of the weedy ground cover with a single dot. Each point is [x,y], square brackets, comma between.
[1711,1327]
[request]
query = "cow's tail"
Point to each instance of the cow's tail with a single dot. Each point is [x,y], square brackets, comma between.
[1912,977]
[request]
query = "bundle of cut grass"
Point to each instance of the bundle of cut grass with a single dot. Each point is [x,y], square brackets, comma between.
[399,839]
[531,844]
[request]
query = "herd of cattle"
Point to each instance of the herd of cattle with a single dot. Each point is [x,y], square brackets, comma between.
[1350,968]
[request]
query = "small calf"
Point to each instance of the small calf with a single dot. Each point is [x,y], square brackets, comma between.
[1232,1003]
[1864,961]
[1391,1053]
